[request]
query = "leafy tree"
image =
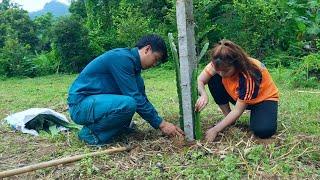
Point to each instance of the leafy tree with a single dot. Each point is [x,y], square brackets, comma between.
[130,24]
[43,26]
[156,11]
[71,42]
[100,24]
[16,22]
[6,4]
[18,41]
[15,59]
[78,8]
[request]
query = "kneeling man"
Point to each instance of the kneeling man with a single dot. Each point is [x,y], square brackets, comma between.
[110,89]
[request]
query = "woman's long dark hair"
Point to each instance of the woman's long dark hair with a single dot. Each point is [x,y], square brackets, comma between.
[226,54]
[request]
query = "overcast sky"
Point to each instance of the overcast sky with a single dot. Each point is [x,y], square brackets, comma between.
[35,5]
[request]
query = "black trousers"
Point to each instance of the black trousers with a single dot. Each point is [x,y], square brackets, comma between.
[263,116]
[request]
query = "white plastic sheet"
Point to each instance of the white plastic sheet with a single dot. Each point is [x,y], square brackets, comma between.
[18,120]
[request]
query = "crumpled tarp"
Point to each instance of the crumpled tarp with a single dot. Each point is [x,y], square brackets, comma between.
[33,120]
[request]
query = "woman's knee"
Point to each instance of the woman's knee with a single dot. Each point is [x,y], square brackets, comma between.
[263,120]
[264,133]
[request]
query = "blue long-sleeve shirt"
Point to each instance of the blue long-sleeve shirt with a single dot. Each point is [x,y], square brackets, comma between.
[117,71]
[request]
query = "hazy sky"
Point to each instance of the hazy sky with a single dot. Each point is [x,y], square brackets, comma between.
[35,5]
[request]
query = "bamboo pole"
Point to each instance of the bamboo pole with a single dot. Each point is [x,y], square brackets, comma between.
[56,162]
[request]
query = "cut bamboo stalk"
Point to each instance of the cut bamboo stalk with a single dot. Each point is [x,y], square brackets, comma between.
[56,162]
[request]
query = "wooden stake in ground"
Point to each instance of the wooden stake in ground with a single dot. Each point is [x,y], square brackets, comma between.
[187,55]
[56,162]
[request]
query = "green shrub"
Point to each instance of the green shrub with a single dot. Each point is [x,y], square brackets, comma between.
[308,73]
[279,59]
[258,26]
[47,63]
[15,59]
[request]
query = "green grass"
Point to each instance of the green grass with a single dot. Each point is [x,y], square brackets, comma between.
[293,152]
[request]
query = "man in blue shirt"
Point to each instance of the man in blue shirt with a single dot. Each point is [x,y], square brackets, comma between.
[110,89]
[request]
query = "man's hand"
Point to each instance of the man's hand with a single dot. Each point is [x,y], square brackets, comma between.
[211,134]
[170,129]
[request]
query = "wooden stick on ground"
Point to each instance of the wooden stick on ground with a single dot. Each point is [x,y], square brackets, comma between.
[56,162]
[312,92]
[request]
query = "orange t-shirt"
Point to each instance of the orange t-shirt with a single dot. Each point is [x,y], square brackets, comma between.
[242,87]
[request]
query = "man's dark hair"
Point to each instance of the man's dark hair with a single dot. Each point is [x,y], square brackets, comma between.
[157,44]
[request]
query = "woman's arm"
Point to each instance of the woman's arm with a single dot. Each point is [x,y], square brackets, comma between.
[203,79]
[228,120]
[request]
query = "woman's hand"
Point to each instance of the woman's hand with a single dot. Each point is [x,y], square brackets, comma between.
[211,134]
[201,103]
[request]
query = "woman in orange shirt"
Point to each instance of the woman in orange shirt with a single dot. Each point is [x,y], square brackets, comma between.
[233,76]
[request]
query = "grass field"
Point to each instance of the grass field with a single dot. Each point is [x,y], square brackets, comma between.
[294,152]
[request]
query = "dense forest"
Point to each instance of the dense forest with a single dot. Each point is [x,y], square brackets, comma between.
[281,33]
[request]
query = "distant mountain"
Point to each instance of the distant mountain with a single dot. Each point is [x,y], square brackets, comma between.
[55,7]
